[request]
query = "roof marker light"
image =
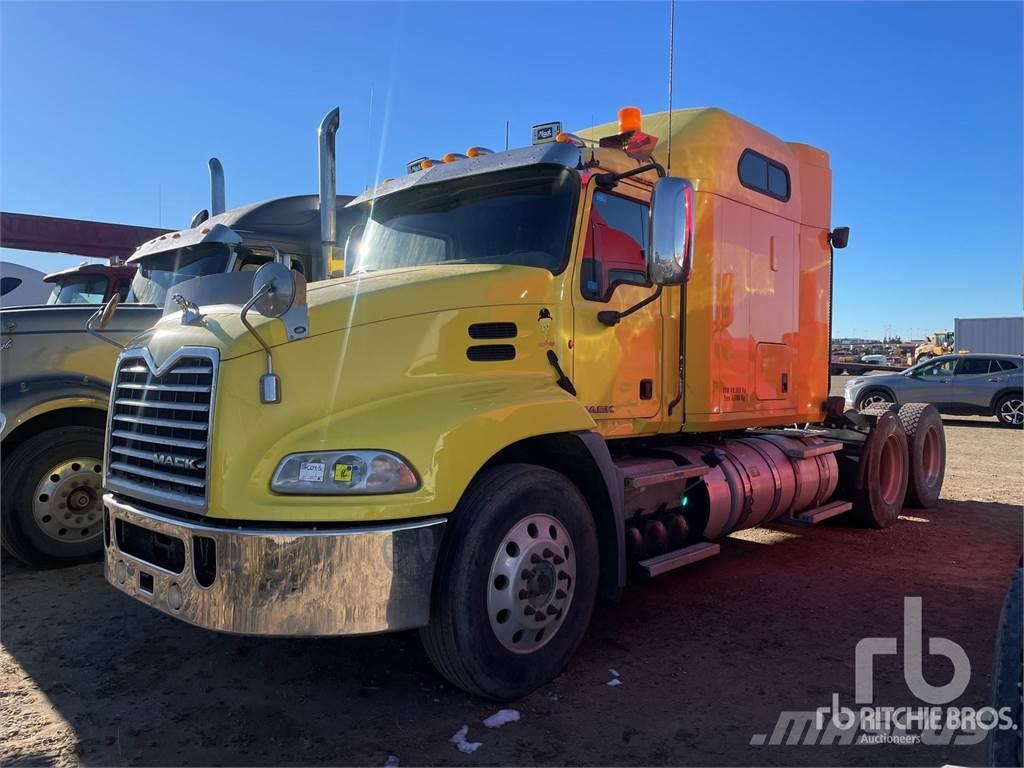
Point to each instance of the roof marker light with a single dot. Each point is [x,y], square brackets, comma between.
[570,138]
[478,151]
[452,157]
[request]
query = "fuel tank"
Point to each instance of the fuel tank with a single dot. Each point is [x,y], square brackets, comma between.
[748,481]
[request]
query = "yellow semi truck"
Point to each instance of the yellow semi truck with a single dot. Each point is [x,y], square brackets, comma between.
[544,372]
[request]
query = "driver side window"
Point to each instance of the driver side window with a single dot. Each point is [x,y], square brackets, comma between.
[616,246]
[939,368]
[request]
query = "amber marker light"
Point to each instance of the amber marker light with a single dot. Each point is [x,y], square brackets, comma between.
[629,119]
[569,138]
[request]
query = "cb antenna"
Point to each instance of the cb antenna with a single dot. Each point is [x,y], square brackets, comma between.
[671,51]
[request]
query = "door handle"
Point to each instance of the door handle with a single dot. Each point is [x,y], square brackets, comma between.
[994,380]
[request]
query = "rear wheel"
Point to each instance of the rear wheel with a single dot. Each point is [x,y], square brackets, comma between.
[1010,410]
[51,506]
[926,446]
[882,473]
[515,584]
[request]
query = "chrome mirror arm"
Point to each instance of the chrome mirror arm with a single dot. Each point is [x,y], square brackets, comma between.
[270,383]
[90,327]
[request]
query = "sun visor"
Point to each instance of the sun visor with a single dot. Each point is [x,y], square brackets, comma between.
[217,233]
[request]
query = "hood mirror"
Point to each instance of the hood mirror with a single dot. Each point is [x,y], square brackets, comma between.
[101,318]
[273,289]
[278,292]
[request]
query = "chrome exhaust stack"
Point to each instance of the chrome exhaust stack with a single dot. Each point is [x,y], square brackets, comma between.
[328,192]
[217,195]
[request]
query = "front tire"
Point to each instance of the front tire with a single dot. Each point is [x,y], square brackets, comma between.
[1010,410]
[874,397]
[515,584]
[51,507]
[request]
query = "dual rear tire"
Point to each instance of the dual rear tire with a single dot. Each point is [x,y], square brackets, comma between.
[903,461]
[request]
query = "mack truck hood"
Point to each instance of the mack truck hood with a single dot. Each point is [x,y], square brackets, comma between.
[349,302]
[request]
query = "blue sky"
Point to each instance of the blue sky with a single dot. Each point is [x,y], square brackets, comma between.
[109,111]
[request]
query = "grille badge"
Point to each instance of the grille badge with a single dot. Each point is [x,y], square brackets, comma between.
[180,462]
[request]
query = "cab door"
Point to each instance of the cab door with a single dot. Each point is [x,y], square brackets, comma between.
[616,369]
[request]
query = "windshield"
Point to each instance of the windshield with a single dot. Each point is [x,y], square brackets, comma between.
[520,217]
[87,289]
[159,273]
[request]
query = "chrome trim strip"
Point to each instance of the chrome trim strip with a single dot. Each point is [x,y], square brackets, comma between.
[169,406]
[166,387]
[305,582]
[169,423]
[180,442]
[131,469]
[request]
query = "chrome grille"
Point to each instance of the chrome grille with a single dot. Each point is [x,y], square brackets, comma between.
[159,425]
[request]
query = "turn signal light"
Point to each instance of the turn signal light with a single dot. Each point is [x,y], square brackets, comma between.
[629,119]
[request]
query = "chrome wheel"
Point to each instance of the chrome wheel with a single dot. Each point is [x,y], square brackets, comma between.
[875,398]
[1011,411]
[67,505]
[531,583]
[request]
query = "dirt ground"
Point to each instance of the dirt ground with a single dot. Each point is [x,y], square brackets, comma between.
[707,657]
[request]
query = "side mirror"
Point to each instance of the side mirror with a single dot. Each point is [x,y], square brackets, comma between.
[839,237]
[108,311]
[273,289]
[355,239]
[277,291]
[671,232]
[100,319]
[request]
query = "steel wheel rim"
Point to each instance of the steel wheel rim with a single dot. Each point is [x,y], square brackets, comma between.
[890,470]
[930,457]
[68,501]
[531,583]
[1012,411]
[874,399]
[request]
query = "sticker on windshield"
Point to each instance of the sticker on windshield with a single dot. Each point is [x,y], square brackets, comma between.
[311,472]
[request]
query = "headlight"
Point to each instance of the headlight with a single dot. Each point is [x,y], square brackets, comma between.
[344,472]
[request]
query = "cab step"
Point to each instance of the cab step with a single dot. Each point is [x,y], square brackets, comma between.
[646,479]
[820,514]
[655,566]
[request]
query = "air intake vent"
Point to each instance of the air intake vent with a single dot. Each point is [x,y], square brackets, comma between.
[159,429]
[493,331]
[483,353]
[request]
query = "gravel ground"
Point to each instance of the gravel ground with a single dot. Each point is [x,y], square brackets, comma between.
[707,657]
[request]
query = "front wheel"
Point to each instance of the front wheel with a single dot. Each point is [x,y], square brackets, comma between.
[874,397]
[515,585]
[1010,410]
[52,507]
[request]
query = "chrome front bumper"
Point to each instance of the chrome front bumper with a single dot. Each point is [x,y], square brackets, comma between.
[348,581]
